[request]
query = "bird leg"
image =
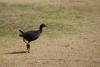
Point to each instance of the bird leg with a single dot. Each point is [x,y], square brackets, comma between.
[25,41]
[28,47]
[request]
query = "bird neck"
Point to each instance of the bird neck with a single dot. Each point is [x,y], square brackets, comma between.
[41,28]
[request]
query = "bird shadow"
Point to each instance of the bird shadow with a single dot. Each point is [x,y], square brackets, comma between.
[17,52]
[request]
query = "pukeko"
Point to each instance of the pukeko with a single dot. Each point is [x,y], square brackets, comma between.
[31,35]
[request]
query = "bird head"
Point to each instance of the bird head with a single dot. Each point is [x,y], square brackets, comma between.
[43,25]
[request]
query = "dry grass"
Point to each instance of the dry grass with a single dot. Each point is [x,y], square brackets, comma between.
[71,39]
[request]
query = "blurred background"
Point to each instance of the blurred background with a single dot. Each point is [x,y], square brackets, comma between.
[71,39]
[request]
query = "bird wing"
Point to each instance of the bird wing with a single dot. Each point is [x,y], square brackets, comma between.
[31,34]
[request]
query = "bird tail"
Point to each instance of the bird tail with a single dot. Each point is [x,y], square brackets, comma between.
[21,35]
[21,31]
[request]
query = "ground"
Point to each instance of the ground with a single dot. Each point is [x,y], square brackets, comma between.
[71,39]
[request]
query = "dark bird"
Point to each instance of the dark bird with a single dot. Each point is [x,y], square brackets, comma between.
[31,35]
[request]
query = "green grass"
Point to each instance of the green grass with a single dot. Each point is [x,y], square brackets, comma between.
[29,16]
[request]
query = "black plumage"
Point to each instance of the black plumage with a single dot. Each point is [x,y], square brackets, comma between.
[31,35]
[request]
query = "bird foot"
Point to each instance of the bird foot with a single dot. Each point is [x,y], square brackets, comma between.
[28,48]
